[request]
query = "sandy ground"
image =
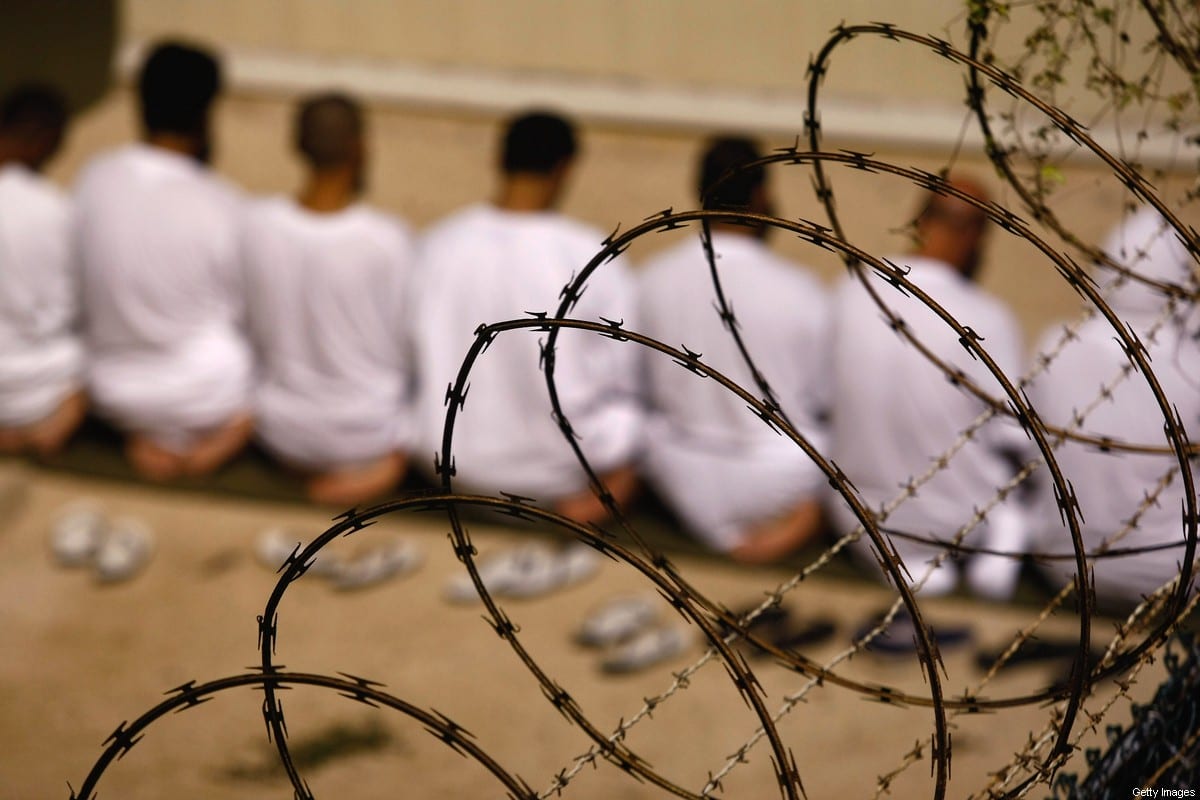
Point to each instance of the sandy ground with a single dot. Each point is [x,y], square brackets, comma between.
[78,658]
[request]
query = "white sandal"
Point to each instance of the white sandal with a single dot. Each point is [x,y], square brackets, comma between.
[499,571]
[377,565]
[617,620]
[77,533]
[561,568]
[276,545]
[529,570]
[125,550]
[648,648]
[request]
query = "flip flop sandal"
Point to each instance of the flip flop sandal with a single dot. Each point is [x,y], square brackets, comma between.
[792,637]
[771,618]
[617,620]
[530,570]
[560,568]
[377,565]
[76,535]
[276,545]
[899,638]
[578,563]
[650,647]
[499,570]
[125,551]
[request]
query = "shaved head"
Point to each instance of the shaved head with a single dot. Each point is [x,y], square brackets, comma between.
[329,131]
[950,229]
[954,209]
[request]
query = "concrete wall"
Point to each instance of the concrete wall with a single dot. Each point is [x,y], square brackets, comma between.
[754,44]
[749,45]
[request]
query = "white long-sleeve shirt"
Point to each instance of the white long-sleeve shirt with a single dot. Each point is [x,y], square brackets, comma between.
[325,296]
[162,293]
[1110,487]
[894,412]
[485,265]
[41,358]
[718,464]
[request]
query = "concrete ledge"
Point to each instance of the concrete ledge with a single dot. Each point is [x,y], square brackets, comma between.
[863,123]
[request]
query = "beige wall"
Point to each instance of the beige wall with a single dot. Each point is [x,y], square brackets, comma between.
[752,44]
[749,44]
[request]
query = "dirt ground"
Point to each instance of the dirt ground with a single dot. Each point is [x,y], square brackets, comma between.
[76,659]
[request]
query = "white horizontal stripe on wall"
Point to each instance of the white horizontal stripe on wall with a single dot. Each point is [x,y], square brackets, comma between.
[864,123]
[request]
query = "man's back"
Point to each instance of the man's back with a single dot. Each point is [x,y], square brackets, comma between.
[733,480]
[485,265]
[325,295]
[782,318]
[39,351]
[1112,486]
[895,412]
[158,243]
[162,289]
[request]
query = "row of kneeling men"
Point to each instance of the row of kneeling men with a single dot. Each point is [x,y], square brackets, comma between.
[194,319]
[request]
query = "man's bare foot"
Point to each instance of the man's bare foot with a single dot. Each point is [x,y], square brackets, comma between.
[47,437]
[12,441]
[777,538]
[585,507]
[212,449]
[151,460]
[349,487]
